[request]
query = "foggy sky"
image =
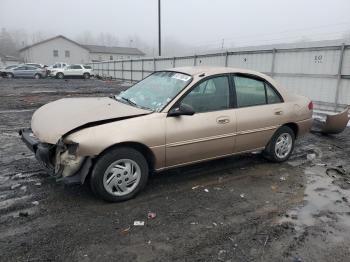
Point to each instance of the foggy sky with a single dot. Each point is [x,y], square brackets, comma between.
[202,23]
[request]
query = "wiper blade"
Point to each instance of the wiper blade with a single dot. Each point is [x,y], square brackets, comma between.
[130,102]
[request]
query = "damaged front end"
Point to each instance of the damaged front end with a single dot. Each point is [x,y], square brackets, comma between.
[59,160]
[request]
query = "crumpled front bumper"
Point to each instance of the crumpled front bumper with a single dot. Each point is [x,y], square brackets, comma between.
[58,160]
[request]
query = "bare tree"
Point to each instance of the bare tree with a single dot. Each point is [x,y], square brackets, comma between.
[7,44]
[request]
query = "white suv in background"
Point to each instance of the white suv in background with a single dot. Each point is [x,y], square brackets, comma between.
[76,70]
[56,66]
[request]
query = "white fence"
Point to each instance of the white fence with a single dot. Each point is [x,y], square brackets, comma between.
[321,73]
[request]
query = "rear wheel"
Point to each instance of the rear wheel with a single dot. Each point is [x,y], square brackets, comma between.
[86,75]
[59,75]
[281,145]
[119,174]
[37,76]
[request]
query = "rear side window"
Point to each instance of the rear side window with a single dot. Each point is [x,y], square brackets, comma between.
[87,67]
[75,67]
[253,92]
[249,92]
[272,96]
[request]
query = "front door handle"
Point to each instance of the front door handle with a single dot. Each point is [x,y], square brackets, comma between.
[222,120]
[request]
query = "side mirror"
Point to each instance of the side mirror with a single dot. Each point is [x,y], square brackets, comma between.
[181,110]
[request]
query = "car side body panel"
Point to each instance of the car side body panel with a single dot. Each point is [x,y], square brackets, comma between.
[200,136]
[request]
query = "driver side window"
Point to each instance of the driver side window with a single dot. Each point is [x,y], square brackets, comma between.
[210,95]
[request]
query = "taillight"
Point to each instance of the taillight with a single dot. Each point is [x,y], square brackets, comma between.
[311,105]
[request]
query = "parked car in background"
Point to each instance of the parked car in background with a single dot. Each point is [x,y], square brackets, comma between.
[39,66]
[171,118]
[55,66]
[7,70]
[36,65]
[27,71]
[76,70]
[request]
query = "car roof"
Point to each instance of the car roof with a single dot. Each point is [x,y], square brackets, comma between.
[212,70]
[196,71]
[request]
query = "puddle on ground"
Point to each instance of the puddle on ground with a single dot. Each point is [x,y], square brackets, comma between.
[324,202]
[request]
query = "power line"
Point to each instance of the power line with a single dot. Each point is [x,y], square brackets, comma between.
[281,32]
[296,37]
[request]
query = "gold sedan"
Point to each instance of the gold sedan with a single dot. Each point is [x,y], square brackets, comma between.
[171,118]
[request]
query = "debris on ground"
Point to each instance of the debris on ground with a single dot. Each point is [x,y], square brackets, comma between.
[333,124]
[126,230]
[311,157]
[37,184]
[35,203]
[195,187]
[282,178]
[23,214]
[222,255]
[14,186]
[206,190]
[151,215]
[242,195]
[139,223]
[338,170]
[19,175]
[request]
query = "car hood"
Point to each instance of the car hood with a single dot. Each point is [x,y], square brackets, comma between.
[53,120]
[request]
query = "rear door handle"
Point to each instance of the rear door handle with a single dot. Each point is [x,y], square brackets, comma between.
[222,120]
[279,112]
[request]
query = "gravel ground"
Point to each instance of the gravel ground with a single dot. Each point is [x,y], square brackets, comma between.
[240,208]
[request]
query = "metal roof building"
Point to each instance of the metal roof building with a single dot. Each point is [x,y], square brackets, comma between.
[63,49]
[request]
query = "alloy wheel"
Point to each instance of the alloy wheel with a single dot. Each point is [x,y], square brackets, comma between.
[122,177]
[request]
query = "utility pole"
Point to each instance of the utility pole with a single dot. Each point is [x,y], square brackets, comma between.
[159,32]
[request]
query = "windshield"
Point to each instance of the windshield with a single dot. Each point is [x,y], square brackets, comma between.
[155,91]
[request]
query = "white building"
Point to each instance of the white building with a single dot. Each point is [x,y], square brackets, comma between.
[63,49]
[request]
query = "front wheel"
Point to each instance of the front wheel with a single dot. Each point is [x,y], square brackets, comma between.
[10,75]
[119,174]
[86,76]
[281,145]
[60,75]
[37,76]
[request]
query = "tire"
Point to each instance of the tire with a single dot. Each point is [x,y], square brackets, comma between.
[112,180]
[10,75]
[281,145]
[37,76]
[60,75]
[86,75]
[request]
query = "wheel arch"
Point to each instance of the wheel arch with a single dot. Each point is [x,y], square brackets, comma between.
[294,127]
[142,148]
